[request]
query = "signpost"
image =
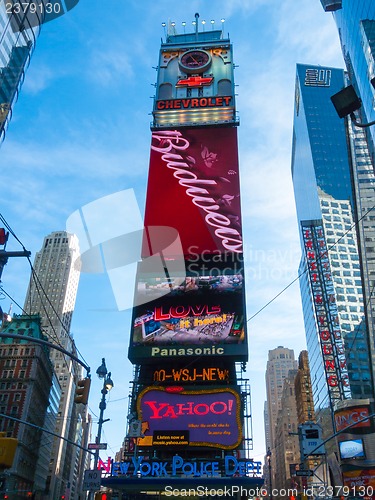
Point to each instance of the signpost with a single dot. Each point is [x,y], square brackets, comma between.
[92,480]
[304,473]
[97,446]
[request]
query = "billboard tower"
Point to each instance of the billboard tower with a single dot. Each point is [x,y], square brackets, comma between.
[188,337]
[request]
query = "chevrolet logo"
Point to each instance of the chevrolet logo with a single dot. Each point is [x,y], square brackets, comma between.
[194,81]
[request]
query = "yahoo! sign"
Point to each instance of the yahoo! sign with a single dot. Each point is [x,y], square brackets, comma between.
[208,417]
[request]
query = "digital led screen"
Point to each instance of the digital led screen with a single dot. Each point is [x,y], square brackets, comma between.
[174,416]
[355,417]
[193,187]
[352,449]
[205,311]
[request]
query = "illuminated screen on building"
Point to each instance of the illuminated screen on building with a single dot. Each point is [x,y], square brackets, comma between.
[349,417]
[193,186]
[203,316]
[175,417]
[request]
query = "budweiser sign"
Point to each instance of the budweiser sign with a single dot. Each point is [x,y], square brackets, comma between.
[194,187]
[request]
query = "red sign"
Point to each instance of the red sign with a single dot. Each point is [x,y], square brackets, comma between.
[194,102]
[193,187]
[345,418]
[361,479]
[194,81]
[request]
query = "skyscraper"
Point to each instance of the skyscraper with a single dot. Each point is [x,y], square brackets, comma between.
[329,161]
[52,294]
[26,374]
[280,361]
[20,26]
[356,25]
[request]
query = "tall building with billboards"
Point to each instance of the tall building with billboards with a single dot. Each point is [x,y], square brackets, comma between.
[188,337]
[325,162]
[20,26]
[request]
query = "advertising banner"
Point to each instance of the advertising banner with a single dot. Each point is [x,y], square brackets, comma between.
[349,417]
[360,480]
[175,417]
[207,311]
[193,187]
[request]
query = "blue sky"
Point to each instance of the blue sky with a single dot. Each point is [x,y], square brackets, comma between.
[80,131]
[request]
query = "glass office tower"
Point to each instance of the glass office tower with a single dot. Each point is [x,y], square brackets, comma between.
[331,284]
[19,27]
[333,186]
[356,25]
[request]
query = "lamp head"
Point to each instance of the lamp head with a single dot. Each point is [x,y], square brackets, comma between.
[109,382]
[102,370]
[346,101]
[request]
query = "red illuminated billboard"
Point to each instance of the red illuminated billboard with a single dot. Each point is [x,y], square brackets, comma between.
[349,418]
[193,187]
[174,417]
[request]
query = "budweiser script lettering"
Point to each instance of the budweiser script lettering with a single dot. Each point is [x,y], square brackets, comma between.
[170,143]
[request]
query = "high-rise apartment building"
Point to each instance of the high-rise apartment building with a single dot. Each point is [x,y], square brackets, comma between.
[52,294]
[20,26]
[280,361]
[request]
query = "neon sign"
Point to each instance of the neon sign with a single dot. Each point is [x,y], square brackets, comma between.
[208,417]
[202,102]
[324,299]
[137,466]
[191,375]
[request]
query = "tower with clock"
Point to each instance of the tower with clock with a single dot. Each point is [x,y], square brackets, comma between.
[189,414]
[195,66]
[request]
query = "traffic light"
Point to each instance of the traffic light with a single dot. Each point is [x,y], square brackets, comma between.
[103,495]
[82,391]
[7,451]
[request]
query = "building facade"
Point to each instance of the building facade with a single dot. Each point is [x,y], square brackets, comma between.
[25,383]
[52,294]
[356,26]
[330,165]
[280,361]
[287,452]
[20,25]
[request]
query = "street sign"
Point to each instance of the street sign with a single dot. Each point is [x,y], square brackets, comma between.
[97,446]
[305,473]
[92,480]
[135,428]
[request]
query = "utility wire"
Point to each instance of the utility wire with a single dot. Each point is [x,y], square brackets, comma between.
[324,254]
[37,281]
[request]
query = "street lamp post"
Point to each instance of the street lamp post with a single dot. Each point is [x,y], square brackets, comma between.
[269,454]
[107,386]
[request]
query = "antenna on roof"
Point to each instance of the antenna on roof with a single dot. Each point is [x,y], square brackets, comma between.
[196,24]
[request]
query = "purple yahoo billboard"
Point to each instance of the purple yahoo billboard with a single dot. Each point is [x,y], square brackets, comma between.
[209,417]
